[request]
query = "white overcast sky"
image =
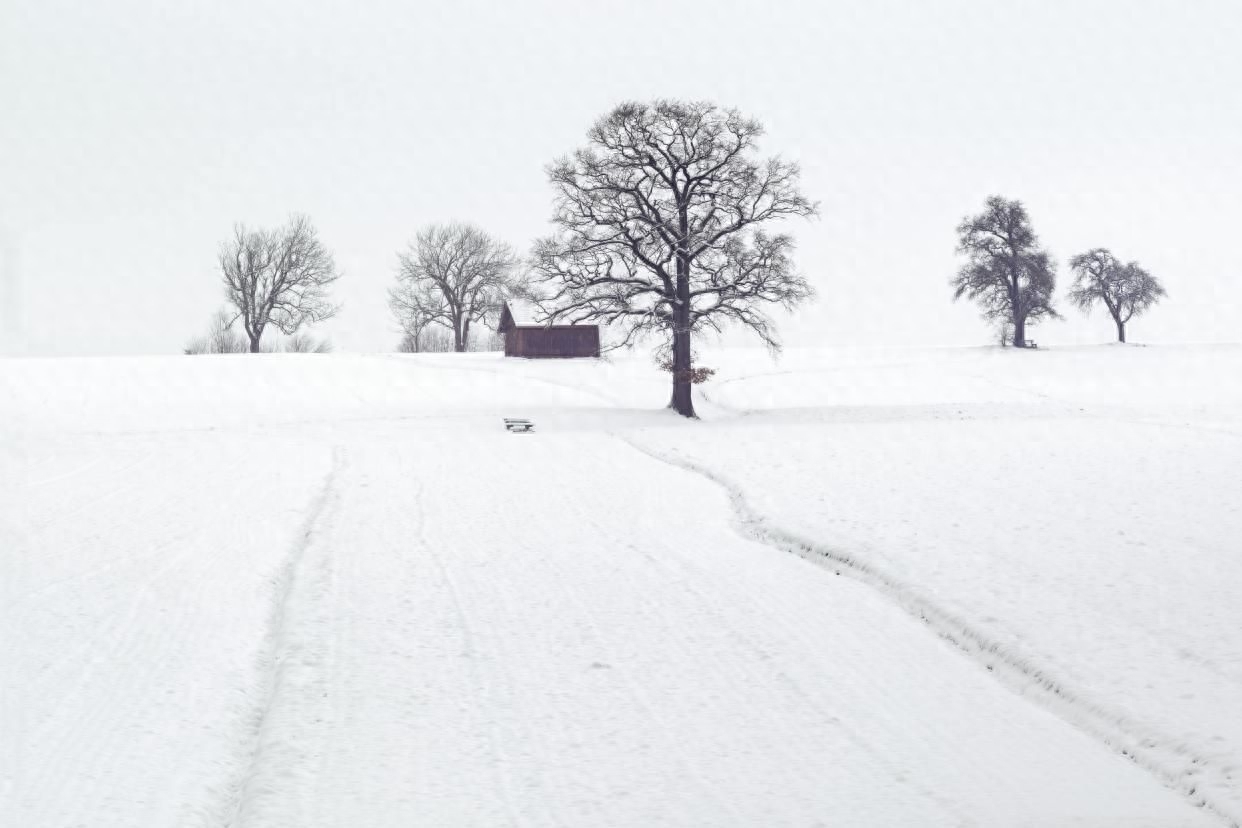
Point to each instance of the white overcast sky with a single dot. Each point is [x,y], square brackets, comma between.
[133,134]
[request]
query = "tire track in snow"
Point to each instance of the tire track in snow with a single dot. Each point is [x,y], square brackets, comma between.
[689,764]
[278,659]
[481,689]
[1177,765]
[691,577]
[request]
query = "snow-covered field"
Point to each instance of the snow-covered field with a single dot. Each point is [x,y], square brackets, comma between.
[874,588]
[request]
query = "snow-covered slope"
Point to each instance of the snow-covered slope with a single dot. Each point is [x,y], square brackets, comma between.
[920,588]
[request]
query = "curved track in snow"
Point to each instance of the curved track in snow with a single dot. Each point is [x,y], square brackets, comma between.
[1175,763]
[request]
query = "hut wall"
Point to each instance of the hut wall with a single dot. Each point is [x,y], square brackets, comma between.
[558,341]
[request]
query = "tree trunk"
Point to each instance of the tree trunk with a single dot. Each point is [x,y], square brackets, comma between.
[683,398]
[1121,330]
[683,401]
[254,343]
[1019,333]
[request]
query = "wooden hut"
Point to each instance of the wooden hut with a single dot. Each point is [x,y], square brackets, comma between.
[547,341]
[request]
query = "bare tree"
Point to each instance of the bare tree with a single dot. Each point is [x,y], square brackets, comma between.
[660,223]
[408,344]
[431,340]
[489,343]
[453,275]
[439,340]
[1127,290]
[415,305]
[278,277]
[220,338]
[1006,270]
[304,343]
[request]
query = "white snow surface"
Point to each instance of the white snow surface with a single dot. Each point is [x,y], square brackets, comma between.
[868,588]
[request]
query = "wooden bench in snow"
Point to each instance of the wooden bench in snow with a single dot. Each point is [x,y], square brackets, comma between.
[519,426]
[1030,343]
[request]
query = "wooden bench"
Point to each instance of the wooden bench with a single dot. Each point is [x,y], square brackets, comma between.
[1030,343]
[518,426]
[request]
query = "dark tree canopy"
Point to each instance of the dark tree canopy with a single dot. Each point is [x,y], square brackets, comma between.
[278,277]
[1006,271]
[660,223]
[1126,290]
[451,275]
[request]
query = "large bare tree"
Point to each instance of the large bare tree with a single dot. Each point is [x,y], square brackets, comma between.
[1006,271]
[452,275]
[1127,290]
[660,224]
[278,277]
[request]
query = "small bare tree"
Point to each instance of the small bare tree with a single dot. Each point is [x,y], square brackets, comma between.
[660,222]
[414,305]
[1006,270]
[1127,290]
[278,277]
[453,275]
[437,340]
[434,339]
[304,343]
[220,338]
[490,342]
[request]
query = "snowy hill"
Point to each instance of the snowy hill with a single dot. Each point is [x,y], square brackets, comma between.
[890,588]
